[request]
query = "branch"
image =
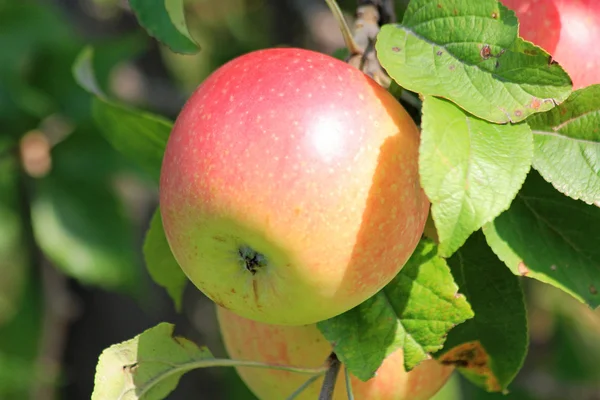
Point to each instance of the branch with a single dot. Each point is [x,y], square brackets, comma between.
[361,46]
[386,9]
[330,378]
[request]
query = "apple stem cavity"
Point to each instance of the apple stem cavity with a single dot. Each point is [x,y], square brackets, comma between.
[330,377]
[251,259]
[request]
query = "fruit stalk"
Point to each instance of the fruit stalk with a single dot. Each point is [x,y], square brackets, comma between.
[330,377]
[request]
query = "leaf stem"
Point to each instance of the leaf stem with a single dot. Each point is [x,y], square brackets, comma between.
[330,378]
[304,386]
[216,362]
[349,393]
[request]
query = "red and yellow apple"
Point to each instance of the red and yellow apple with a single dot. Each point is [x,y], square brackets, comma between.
[567,29]
[305,346]
[289,189]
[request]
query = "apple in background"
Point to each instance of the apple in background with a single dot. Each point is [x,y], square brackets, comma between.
[305,346]
[567,29]
[289,189]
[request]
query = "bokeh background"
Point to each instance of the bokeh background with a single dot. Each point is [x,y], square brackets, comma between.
[74,212]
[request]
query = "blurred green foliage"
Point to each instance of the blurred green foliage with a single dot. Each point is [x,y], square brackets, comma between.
[62,196]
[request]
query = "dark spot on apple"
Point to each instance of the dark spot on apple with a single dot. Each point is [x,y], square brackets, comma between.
[255,290]
[233,291]
[593,290]
[396,49]
[439,52]
[251,259]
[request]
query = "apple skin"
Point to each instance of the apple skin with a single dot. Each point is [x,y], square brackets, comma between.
[567,29]
[304,159]
[305,346]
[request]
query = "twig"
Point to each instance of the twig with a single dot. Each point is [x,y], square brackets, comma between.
[330,378]
[387,11]
[361,44]
[353,47]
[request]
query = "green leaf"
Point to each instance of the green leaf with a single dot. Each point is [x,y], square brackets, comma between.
[550,237]
[468,52]
[414,313]
[14,253]
[81,226]
[492,346]
[83,72]
[140,136]
[161,263]
[567,145]
[148,366]
[470,169]
[165,21]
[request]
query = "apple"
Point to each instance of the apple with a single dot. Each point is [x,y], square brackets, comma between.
[305,346]
[289,190]
[567,29]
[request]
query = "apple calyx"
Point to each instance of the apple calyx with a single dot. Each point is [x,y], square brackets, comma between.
[251,259]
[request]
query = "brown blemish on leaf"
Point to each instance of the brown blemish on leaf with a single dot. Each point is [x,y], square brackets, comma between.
[439,52]
[535,103]
[593,290]
[485,52]
[455,11]
[219,238]
[130,368]
[522,268]
[439,5]
[518,113]
[551,61]
[553,267]
[530,52]
[233,291]
[495,15]
[472,356]
[396,49]
[452,67]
